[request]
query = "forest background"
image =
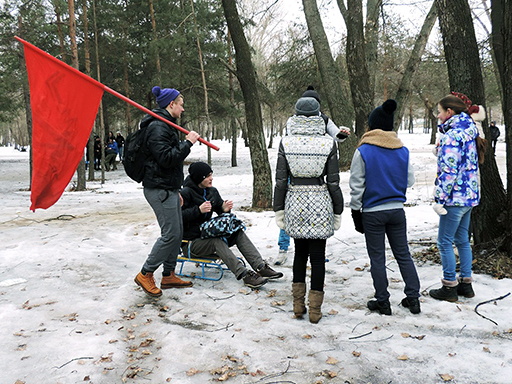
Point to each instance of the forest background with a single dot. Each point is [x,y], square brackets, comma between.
[242,65]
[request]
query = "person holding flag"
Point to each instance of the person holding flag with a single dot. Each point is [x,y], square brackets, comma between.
[162,181]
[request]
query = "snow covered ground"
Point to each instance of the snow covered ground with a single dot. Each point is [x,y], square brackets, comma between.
[71,313]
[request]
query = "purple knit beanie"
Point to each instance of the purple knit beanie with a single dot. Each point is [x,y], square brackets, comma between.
[165,96]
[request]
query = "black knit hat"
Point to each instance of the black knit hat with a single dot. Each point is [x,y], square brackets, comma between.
[310,92]
[307,106]
[382,116]
[199,171]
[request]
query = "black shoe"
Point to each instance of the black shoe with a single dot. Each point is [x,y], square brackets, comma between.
[382,306]
[269,273]
[413,303]
[253,279]
[445,293]
[465,289]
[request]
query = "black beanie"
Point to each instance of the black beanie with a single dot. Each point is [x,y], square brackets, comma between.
[310,92]
[307,106]
[382,116]
[199,171]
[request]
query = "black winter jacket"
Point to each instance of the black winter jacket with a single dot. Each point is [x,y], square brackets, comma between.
[164,168]
[193,197]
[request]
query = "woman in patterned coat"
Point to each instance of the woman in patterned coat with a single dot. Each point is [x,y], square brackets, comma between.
[307,200]
[456,194]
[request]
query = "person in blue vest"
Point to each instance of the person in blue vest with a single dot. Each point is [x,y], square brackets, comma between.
[379,177]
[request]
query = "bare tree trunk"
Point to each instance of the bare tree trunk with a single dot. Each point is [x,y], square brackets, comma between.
[262,182]
[371,34]
[102,124]
[331,79]
[209,134]
[404,89]
[234,130]
[157,53]
[465,75]
[26,89]
[502,42]
[59,31]
[359,78]
[74,63]
[87,54]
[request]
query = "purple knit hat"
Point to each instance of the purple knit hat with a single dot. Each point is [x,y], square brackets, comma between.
[165,96]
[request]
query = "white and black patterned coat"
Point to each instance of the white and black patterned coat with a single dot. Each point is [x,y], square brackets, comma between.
[307,179]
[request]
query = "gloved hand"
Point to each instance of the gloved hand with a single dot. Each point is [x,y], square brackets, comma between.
[337,222]
[357,216]
[280,219]
[439,209]
[343,133]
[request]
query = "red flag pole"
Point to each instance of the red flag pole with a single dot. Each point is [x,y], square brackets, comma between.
[111,91]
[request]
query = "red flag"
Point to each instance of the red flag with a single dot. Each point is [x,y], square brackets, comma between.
[64,106]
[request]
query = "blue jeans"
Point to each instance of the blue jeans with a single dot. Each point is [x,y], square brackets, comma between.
[454,228]
[284,240]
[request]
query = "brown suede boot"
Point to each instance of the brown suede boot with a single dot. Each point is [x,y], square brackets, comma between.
[316,299]
[299,293]
[147,283]
[174,281]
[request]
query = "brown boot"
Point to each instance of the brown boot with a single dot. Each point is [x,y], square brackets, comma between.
[316,299]
[174,281]
[299,292]
[147,283]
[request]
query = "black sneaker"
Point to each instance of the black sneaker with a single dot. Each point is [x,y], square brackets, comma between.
[445,293]
[412,303]
[253,279]
[384,307]
[269,273]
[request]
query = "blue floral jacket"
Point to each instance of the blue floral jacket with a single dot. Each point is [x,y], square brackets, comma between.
[457,163]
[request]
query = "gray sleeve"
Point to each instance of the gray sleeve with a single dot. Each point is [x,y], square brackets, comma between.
[357,181]
[410,174]
[332,129]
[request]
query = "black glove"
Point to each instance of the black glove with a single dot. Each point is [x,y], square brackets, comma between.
[357,216]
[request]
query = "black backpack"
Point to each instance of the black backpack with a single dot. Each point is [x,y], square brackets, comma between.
[136,154]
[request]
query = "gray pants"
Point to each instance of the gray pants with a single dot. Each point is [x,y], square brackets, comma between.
[217,246]
[167,207]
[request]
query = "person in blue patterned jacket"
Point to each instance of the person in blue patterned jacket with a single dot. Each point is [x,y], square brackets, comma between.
[456,193]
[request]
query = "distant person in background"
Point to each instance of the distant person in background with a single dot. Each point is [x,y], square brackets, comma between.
[120,145]
[307,200]
[97,153]
[110,155]
[495,133]
[340,134]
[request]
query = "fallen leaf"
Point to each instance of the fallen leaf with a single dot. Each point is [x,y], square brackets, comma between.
[307,337]
[403,357]
[272,293]
[486,349]
[265,320]
[333,312]
[112,341]
[331,360]
[446,376]
[278,303]
[329,374]
[146,352]
[87,378]
[108,321]
[356,354]
[192,372]
[405,335]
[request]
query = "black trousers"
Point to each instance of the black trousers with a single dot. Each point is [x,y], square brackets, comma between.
[314,249]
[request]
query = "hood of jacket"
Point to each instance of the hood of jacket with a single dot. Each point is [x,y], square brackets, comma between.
[461,127]
[192,185]
[380,138]
[148,119]
[306,125]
